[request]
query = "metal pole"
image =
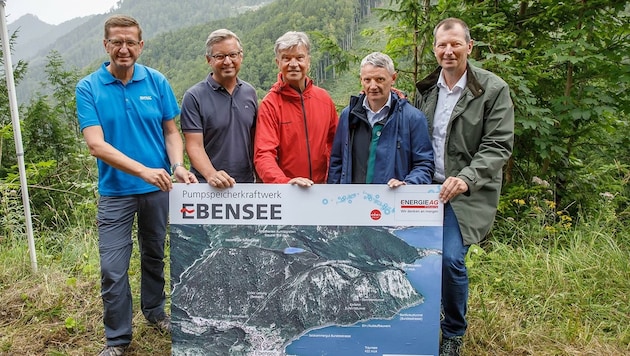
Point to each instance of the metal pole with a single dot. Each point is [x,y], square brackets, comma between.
[17,133]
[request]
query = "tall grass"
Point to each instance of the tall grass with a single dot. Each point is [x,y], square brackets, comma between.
[58,310]
[563,293]
[533,292]
[544,283]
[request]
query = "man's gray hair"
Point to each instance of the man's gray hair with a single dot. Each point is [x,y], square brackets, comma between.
[290,40]
[221,35]
[379,60]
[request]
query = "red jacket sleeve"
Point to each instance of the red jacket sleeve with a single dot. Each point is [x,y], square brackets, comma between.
[266,143]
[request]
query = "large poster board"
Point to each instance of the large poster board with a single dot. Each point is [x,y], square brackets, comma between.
[265,269]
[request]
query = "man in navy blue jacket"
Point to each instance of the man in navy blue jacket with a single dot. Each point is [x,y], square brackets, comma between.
[381,137]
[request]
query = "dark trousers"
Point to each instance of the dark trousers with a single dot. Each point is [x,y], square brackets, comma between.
[454,277]
[115,222]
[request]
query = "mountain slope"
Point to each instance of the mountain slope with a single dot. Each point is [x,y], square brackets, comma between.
[180,54]
[34,34]
[82,44]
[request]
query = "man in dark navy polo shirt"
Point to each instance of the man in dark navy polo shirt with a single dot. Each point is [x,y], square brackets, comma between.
[219,116]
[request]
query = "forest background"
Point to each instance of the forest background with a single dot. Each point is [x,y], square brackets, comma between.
[551,279]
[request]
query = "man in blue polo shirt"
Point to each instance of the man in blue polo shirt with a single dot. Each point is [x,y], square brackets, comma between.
[126,113]
[219,116]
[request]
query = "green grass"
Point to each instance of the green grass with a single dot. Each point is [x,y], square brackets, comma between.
[58,310]
[539,285]
[565,294]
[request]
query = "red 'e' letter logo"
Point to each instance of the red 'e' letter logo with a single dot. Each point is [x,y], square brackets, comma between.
[375,214]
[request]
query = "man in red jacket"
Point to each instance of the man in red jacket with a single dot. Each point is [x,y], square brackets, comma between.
[296,120]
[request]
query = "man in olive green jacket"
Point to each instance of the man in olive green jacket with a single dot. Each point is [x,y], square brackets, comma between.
[471,119]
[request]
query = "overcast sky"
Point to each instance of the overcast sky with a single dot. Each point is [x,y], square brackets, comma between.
[55,12]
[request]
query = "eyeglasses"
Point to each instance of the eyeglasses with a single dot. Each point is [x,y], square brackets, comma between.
[221,56]
[119,43]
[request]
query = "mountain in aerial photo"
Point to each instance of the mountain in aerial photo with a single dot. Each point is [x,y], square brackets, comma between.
[242,289]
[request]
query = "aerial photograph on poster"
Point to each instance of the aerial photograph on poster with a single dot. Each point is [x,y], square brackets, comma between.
[256,289]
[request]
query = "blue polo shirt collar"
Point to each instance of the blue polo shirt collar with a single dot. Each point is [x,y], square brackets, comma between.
[107,78]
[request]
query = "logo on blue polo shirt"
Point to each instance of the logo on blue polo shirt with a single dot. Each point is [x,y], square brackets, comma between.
[146,97]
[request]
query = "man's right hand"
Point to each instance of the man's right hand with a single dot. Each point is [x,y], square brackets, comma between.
[159,177]
[301,181]
[221,179]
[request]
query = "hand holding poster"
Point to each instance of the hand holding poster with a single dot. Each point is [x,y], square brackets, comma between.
[327,270]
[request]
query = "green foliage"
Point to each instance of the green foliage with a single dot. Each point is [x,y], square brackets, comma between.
[559,59]
[19,71]
[60,180]
[529,214]
[406,38]
[530,211]
[12,221]
[83,45]
[62,82]
[538,287]
[548,266]
[7,146]
[180,54]
[410,36]
[45,134]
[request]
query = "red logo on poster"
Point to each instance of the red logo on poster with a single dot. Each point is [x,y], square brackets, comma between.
[375,214]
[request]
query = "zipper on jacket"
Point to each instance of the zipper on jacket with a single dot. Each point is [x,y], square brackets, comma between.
[308,146]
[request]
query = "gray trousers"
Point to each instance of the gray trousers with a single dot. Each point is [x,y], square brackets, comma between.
[115,222]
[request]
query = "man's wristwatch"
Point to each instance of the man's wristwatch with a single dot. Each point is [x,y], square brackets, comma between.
[175,165]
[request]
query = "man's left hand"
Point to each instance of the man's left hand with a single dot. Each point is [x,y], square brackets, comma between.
[182,175]
[395,183]
[451,188]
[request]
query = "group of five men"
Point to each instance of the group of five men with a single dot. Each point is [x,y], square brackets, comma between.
[458,133]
